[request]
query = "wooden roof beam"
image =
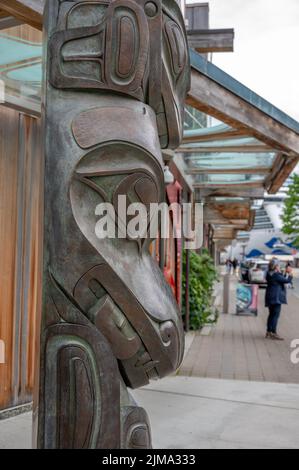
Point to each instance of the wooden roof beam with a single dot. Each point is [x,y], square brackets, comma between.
[221,135]
[237,223]
[218,100]
[213,216]
[282,168]
[226,230]
[211,40]
[234,226]
[228,192]
[7,21]
[234,215]
[212,201]
[218,235]
[223,232]
[26,11]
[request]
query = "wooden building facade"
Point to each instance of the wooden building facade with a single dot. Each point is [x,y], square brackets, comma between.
[20,252]
[21,192]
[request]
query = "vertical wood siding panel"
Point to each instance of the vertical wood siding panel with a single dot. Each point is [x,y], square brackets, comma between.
[21,184]
[21,212]
[35,265]
[8,222]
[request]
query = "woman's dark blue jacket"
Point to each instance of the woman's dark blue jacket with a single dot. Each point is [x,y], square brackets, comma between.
[276,288]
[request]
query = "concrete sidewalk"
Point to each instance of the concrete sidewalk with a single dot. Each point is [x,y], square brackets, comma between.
[236,348]
[199,413]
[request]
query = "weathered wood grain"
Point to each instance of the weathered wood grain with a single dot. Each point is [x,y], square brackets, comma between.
[20,252]
[213,99]
[27,11]
[211,40]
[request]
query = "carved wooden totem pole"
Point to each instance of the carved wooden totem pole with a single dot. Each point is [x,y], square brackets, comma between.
[117,74]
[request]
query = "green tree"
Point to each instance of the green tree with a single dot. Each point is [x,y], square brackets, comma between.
[290,216]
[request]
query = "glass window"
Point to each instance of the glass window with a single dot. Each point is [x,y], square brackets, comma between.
[197,121]
[21,65]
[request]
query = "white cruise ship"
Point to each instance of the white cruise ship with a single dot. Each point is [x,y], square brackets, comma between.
[266,237]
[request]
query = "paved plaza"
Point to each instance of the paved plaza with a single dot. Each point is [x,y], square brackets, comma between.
[236,347]
[197,413]
[234,390]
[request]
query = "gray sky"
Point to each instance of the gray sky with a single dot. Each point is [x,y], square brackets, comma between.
[266,47]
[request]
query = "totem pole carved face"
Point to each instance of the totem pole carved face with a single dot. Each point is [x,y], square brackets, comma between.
[117,77]
[138,48]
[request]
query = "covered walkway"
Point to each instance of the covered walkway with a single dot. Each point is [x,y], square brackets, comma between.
[236,348]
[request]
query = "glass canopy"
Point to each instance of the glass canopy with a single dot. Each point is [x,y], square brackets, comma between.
[248,144]
[217,155]
[225,179]
[225,161]
[21,65]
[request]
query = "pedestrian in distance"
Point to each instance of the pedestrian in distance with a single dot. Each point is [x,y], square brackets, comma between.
[235,264]
[228,266]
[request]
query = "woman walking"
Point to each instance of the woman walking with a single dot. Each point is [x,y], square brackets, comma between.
[276,296]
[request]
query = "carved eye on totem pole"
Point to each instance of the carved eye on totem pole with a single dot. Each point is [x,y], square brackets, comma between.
[111,52]
[136,48]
